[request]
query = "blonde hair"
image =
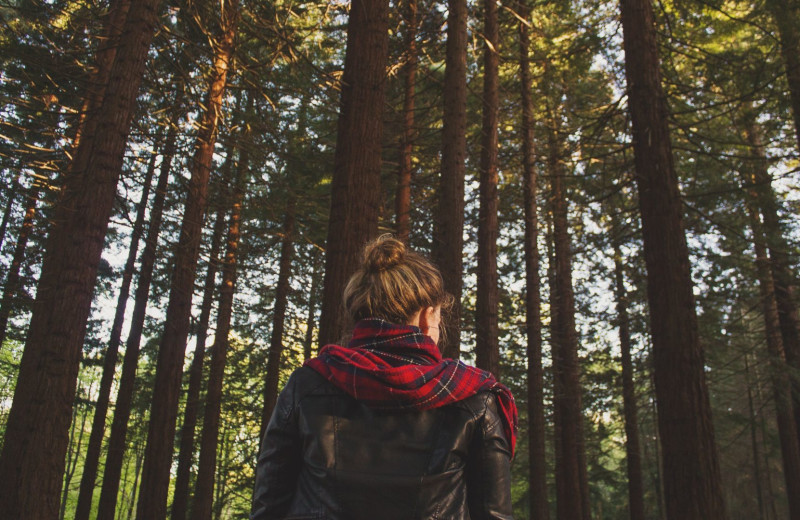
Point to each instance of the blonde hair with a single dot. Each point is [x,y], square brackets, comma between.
[394,283]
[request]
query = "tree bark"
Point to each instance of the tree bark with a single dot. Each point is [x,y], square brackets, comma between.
[278,317]
[487,347]
[786,15]
[448,241]
[403,194]
[169,366]
[572,502]
[186,451]
[692,484]
[12,282]
[754,442]
[32,460]
[633,457]
[122,408]
[537,462]
[89,476]
[781,385]
[355,190]
[204,487]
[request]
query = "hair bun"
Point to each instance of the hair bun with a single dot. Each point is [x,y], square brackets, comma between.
[384,253]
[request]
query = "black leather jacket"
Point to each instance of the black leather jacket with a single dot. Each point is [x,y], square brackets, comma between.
[327,456]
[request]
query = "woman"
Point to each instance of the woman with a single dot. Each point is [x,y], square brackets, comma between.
[384,428]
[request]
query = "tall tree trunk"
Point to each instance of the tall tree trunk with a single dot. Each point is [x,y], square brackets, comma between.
[355,191]
[630,407]
[278,317]
[89,476]
[127,379]
[187,449]
[754,442]
[312,306]
[169,366]
[781,385]
[403,194]
[487,346]
[786,15]
[32,460]
[759,182]
[72,455]
[204,487]
[12,195]
[537,462]
[572,502]
[12,281]
[692,485]
[448,240]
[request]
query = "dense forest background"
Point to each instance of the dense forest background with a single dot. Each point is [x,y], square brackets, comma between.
[611,191]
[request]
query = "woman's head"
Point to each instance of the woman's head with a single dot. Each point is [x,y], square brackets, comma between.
[394,283]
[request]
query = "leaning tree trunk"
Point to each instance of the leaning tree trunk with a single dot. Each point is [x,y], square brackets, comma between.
[692,485]
[207,462]
[537,470]
[781,385]
[403,193]
[487,347]
[122,408]
[448,241]
[355,190]
[786,15]
[32,460]
[633,452]
[12,282]
[186,451]
[278,317]
[89,476]
[572,502]
[169,366]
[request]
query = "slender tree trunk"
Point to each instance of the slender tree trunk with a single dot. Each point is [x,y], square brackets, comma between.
[754,442]
[630,407]
[572,502]
[487,346]
[759,182]
[122,408]
[403,195]
[135,487]
[537,480]
[312,307]
[355,191]
[186,452]
[12,282]
[448,242]
[89,476]
[12,195]
[32,460]
[72,455]
[278,317]
[204,487]
[692,485]
[169,366]
[781,385]
[786,14]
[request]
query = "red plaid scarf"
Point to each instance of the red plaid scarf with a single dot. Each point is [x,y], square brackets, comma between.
[397,366]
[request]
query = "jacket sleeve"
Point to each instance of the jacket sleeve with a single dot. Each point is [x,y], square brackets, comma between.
[488,469]
[279,460]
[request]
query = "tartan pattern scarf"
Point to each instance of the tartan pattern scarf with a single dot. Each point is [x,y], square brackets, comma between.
[397,366]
